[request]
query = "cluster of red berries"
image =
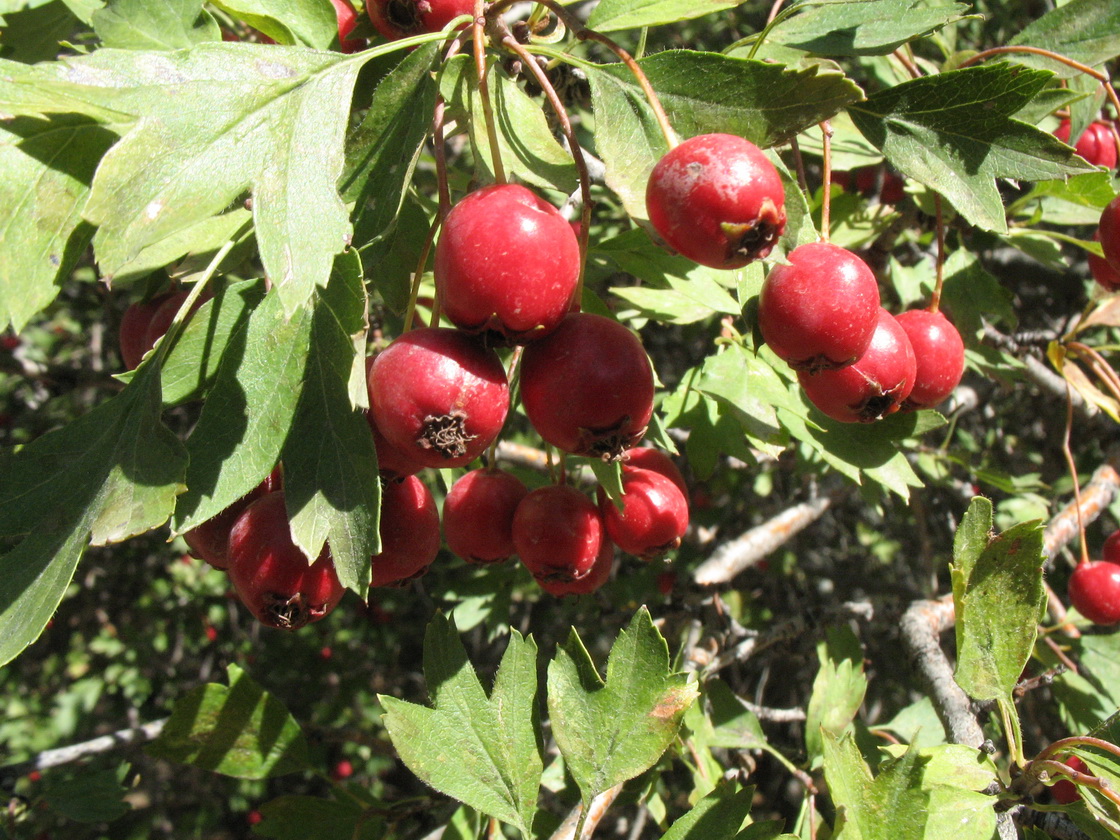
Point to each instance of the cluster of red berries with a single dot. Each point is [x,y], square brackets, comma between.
[856,362]
[1094,586]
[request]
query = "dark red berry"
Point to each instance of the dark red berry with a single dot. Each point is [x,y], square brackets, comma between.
[1110,553]
[133,334]
[654,514]
[648,458]
[272,576]
[9,342]
[666,582]
[1094,589]
[438,396]
[1065,791]
[717,200]
[1097,144]
[600,573]
[342,770]
[478,515]
[347,20]
[210,540]
[401,18]
[558,533]
[1108,232]
[819,311]
[588,386]
[507,265]
[1107,277]
[391,462]
[873,387]
[939,354]
[409,533]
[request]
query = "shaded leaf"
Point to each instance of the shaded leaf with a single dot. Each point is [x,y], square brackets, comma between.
[239,731]
[33,33]
[295,817]
[87,796]
[1087,31]
[892,806]
[310,22]
[718,816]
[862,27]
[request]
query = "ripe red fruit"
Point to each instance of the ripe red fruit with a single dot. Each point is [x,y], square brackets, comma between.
[342,770]
[507,265]
[210,540]
[1107,277]
[409,533]
[654,514]
[133,333]
[272,576]
[588,386]
[1065,791]
[558,533]
[873,387]
[1094,589]
[347,20]
[10,342]
[648,458]
[819,311]
[401,18]
[478,515]
[600,573]
[1096,144]
[1109,232]
[717,200]
[1110,553]
[391,462]
[438,396]
[939,353]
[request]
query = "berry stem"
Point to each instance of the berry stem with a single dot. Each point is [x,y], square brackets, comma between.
[414,292]
[477,36]
[584,34]
[935,299]
[1073,474]
[1063,744]
[799,165]
[826,197]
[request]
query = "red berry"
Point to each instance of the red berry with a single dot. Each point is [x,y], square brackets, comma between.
[347,20]
[819,311]
[507,265]
[588,386]
[1109,232]
[873,387]
[401,18]
[391,462]
[891,188]
[409,533]
[1107,277]
[325,652]
[271,575]
[254,817]
[1096,144]
[939,353]
[1094,589]
[342,770]
[654,514]
[9,342]
[478,515]
[648,458]
[600,573]
[558,533]
[211,633]
[717,200]
[1110,553]
[34,776]
[210,540]
[666,582]
[438,396]
[1065,791]
[133,334]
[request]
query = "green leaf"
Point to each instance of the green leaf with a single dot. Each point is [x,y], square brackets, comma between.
[703,93]
[972,296]
[239,731]
[213,122]
[614,15]
[87,796]
[248,414]
[1087,31]
[330,466]
[862,27]
[311,22]
[892,806]
[154,24]
[295,817]
[718,816]
[480,750]
[1100,658]
[109,475]
[956,134]
[46,166]
[610,732]
[999,597]
[953,765]
[528,148]
[33,33]
[684,302]
[382,152]
[838,690]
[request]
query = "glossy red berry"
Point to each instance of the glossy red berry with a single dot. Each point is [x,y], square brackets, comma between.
[654,514]
[819,311]
[210,540]
[272,576]
[1097,144]
[939,354]
[409,533]
[401,18]
[717,200]
[391,462]
[1107,277]
[438,396]
[342,770]
[873,387]
[1065,791]
[133,333]
[1109,232]
[1094,589]
[507,265]
[478,515]
[558,533]
[594,580]
[347,20]
[648,458]
[1110,553]
[588,386]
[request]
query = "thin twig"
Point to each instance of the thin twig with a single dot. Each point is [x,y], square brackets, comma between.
[598,809]
[75,752]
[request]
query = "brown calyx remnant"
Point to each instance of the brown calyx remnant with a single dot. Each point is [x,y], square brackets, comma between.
[289,613]
[446,434]
[404,15]
[754,239]
[609,443]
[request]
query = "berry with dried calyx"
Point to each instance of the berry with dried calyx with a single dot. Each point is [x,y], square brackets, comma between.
[478,515]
